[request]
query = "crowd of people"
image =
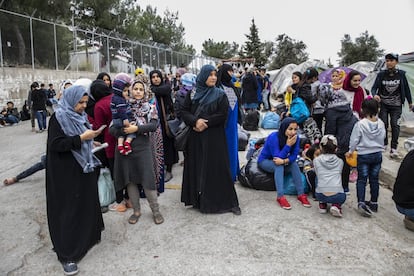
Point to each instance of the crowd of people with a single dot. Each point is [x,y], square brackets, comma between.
[132,116]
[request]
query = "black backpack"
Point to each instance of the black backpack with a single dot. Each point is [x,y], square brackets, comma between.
[251,121]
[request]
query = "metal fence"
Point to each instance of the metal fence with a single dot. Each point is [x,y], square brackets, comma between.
[31,42]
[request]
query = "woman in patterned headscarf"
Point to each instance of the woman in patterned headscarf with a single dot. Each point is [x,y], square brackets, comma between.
[207,181]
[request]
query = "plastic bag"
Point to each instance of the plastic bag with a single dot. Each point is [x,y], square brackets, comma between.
[106,187]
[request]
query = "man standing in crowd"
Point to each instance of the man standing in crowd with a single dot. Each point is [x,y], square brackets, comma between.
[391,89]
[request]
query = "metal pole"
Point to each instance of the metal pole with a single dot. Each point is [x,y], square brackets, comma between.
[132,56]
[158,58]
[56,52]
[31,41]
[142,60]
[108,66]
[1,51]
[150,56]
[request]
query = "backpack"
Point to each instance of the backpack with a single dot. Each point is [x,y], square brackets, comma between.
[251,121]
[311,130]
[298,110]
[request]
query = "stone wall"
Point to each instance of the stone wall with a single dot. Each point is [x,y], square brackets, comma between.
[15,82]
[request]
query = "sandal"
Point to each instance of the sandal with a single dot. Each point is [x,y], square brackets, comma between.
[134,218]
[9,181]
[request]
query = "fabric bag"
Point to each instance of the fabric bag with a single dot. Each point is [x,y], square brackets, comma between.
[181,136]
[173,126]
[298,110]
[106,187]
[167,119]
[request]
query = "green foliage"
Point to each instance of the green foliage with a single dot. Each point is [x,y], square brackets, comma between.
[253,47]
[365,48]
[222,49]
[288,50]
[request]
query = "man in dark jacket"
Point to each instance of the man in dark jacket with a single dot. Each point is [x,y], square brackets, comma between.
[249,91]
[391,89]
[9,114]
[404,190]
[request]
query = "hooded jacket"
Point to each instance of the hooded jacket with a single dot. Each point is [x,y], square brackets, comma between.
[367,137]
[328,169]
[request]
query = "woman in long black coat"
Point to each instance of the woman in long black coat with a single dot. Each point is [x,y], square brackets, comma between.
[162,92]
[73,210]
[207,182]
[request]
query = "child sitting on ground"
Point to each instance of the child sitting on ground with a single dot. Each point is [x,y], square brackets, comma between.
[308,168]
[121,114]
[367,138]
[328,169]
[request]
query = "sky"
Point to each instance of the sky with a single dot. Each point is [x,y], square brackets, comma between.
[320,24]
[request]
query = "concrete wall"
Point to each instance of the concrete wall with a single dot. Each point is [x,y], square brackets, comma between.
[15,82]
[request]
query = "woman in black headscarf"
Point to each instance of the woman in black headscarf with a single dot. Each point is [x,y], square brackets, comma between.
[165,107]
[207,182]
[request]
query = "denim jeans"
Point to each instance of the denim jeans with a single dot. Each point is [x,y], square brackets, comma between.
[395,113]
[368,166]
[408,212]
[36,167]
[11,119]
[278,173]
[41,119]
[265,99]
[338,198]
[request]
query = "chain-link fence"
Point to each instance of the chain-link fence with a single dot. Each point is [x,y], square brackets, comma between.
[31,42]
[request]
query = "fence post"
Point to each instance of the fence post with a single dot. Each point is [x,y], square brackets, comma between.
[31,41]
[1,51]
[56,50]
[108,65]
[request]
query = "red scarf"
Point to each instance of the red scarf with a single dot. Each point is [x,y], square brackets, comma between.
[358,95]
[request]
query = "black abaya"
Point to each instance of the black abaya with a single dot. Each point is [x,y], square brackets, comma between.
[73,210]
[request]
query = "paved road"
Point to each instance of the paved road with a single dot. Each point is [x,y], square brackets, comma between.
[264,240]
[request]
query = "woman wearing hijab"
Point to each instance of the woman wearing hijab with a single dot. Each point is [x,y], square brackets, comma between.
[162,92]
[354,92]
[207,181]
[73,210]
[224,76]
[106,78]
[279,156]
[136,168]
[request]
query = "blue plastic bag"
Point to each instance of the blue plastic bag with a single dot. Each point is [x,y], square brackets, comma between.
[298,110]
[289,187]
[106,188]
[270,120]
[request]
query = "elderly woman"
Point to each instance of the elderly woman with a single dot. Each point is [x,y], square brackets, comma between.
[207,181]
[73,210]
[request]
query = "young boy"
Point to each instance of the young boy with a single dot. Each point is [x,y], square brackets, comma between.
[367,138]
[328,169]
[121,114]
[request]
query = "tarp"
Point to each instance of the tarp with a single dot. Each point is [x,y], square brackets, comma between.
[407,116]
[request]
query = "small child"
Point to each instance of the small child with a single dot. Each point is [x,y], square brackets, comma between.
[328,169]
[367,138]
[121,114]
[308,168]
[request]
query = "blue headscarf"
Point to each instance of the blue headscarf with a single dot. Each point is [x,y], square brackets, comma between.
[206,94]
[73,123]
[282,129]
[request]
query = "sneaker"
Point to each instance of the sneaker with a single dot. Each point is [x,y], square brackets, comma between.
[323,208]
[284,203]
[121,149]
[409,223]
[127,147]
[118,207]
[373,206]
[304,200]
[364,210]
[346,191]
[394,153]
[70,268]
[336,210]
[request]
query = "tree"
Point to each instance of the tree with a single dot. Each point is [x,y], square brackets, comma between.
[253,48]
[365,48]
[288,50]
[222,49]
